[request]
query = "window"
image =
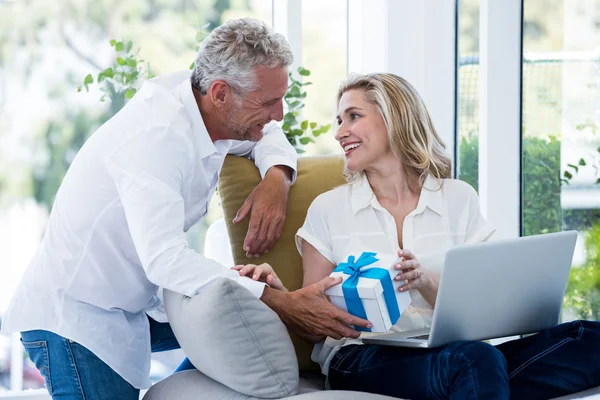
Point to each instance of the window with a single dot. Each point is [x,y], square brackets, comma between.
[561,112]
[324,53]
[468,92]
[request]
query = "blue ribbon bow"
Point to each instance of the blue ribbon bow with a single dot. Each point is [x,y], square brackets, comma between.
[353,302]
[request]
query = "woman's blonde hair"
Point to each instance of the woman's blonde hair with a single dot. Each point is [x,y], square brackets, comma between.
[411,134]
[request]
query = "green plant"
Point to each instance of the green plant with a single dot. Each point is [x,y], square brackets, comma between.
[122,78]
[542,212]
[120,82]
[296,131]
[591,160]
[583,294]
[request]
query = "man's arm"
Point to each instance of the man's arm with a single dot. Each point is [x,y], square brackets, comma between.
[266,205]
[273,149]
[148,170]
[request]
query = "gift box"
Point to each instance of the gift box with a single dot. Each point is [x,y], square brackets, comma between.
[369,290]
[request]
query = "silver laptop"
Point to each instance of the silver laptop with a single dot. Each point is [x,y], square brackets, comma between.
[496,289]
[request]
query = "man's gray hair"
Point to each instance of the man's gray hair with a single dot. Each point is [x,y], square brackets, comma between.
[230,51]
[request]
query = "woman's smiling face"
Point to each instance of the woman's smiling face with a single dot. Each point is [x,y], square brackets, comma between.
[361,131]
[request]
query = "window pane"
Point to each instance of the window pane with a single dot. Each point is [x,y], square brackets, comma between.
[324,37]
[46,50]
[468,92]
[561,112]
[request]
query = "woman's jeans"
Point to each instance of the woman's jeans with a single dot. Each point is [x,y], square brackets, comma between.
[561,360]
[72,372]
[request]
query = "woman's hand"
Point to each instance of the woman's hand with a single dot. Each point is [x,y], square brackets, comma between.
[263,273]
[410,271]
[416,277]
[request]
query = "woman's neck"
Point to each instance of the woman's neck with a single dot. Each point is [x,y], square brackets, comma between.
[393,185]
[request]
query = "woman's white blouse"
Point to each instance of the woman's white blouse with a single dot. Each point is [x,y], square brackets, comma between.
[349,220]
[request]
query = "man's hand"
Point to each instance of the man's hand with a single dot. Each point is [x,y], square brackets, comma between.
[263,273]
[309,312]
[266,205]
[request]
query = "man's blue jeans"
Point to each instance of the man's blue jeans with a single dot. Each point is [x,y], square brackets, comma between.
[561,360]
[72,372]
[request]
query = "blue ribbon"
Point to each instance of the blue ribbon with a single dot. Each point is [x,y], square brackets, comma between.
[353,303]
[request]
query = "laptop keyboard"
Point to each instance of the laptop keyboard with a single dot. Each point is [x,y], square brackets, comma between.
[423,337]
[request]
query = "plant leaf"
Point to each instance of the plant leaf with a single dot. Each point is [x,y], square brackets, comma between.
[88,79]
[303,71]
[119,46]
[568,175]
[289,118]
[109,73]
[313,125]
[129,93]
[304,125]
[113,42]
[575,167]
[306,140]
[121,61]
[582,162]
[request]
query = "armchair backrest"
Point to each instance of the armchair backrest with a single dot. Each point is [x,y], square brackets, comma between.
[316,175]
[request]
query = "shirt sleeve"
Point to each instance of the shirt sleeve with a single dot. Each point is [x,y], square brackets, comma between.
[148,170]
[316,231]
[272,149]
[478,228]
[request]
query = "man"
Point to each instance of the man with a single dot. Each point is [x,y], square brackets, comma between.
[116,233]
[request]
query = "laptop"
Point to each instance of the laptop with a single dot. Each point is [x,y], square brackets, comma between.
[496,289]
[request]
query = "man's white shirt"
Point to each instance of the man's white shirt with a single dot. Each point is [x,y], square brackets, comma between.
[116,232]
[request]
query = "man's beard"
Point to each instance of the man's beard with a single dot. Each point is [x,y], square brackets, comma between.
[237,129]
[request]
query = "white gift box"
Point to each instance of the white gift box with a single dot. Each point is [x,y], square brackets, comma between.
[370,292]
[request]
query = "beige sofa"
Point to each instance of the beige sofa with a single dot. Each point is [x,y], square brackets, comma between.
[238,178]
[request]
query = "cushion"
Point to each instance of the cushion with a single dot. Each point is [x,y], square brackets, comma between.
[235,339]
[193,385]
[316,175]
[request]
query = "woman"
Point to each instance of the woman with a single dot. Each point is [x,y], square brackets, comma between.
[400,199]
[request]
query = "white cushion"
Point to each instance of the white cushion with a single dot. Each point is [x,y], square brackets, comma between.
[235,339]
[193,385]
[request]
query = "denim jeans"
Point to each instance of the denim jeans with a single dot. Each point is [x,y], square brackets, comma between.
[72,372]
[561,360]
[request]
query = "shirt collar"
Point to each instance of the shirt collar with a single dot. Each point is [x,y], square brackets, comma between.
[362,196]
[206,146]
